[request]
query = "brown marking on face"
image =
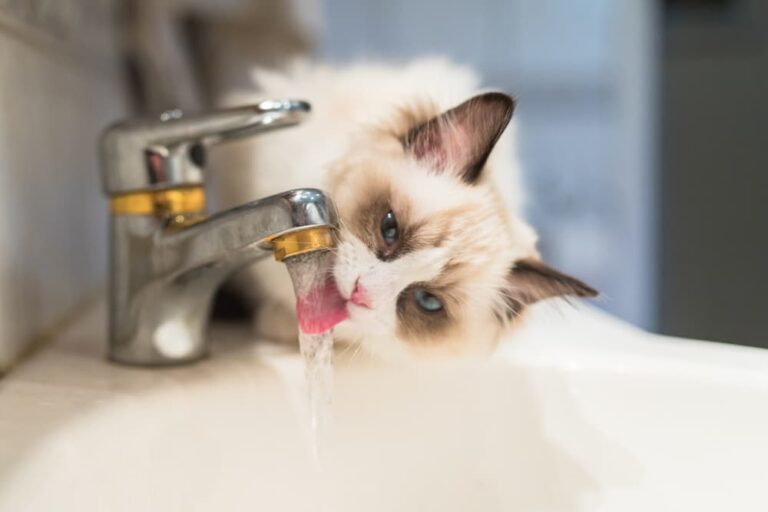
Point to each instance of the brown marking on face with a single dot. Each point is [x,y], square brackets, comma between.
[364,220]
[365,224]
[427,327]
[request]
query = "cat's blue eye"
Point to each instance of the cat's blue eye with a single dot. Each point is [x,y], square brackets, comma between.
[389,230]
[427,301]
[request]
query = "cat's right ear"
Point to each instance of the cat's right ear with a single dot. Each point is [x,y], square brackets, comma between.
[531,280]
[459,140]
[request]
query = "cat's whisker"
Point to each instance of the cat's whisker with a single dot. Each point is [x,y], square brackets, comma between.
[356,352]
[348,348]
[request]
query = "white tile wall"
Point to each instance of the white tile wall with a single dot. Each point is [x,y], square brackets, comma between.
[59,86]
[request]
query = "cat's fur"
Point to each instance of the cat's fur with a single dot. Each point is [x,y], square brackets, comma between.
[379,139]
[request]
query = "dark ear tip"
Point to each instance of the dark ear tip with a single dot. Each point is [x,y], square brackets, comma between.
[501,98]
[584,290]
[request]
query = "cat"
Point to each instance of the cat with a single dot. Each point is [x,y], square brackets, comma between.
[433,254]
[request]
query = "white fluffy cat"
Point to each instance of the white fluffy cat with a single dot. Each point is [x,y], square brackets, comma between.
[433,254]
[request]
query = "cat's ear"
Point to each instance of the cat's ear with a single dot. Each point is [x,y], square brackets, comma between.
[459,140]
[531,280]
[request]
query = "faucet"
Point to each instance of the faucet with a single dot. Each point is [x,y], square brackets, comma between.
[167,254]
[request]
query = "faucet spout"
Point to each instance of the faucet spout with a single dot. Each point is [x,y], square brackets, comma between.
[246,232]
[160,302]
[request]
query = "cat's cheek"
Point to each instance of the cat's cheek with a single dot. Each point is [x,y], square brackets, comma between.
[376,333]
[385,346]
[368,320]
[347,331]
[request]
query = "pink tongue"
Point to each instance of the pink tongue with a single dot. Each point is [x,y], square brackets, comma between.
[320,309]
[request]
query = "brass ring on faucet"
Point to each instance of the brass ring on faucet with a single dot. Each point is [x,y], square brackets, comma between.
[162,203]
[302,241]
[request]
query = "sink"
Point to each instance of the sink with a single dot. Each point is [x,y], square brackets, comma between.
[580,412]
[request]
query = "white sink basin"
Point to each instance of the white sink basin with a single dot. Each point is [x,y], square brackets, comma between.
[580,413]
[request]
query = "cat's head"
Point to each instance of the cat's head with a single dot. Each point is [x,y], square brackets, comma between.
[429,256]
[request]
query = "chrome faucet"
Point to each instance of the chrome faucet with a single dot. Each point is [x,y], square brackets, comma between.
[168,256]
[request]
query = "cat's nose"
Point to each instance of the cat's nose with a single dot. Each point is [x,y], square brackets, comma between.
[359,296]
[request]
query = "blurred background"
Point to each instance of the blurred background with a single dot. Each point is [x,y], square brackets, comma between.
[641,129]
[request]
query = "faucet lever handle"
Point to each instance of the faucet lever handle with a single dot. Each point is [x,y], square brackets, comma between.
[214,127]
[142,155]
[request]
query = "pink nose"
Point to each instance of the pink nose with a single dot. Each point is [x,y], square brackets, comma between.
[359,296]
